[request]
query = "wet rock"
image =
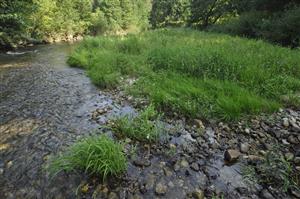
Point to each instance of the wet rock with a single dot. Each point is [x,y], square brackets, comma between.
[161,189]
[244,147]
[198,194]
[195,166]
[266,194]
[142,162]
[231,155]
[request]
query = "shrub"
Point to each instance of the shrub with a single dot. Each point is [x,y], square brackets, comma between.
[95,155]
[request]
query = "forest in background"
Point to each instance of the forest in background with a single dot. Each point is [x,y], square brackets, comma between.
[56,20]
[31,21]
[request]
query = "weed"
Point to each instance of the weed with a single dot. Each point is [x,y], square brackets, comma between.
[94,155]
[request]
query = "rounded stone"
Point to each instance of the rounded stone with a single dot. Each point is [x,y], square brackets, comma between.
[161,189]
[245,147]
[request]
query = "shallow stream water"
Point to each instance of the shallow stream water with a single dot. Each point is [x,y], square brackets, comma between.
[44,106]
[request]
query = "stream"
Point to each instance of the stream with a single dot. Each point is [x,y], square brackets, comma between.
[44,106]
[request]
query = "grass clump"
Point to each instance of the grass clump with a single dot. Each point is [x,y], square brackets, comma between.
[95,155]
[144,127]
[196,73]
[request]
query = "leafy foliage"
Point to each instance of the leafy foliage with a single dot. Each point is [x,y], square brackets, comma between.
[63,19]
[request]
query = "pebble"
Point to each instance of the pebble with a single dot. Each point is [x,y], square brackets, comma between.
[266,194]
[1,171]
[142,162]
[184,163]
[245,147]
[112,195]
[171,184]
[286,122]
[9,164]
[285,142]
[195,166]
[231,155]
[297,160]
[198,194]
[199,124]
[247,131]
[254,158]
[167,171]
[292,140]
[161,189]
[296,193]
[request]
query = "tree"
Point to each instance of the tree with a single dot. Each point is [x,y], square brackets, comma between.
[169,13]
[208,12]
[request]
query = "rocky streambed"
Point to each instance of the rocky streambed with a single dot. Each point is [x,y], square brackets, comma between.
[46,106]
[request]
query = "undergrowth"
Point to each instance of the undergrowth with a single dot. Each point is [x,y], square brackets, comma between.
[94,155]
[195,73]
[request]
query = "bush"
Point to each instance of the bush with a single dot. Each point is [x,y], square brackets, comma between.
[95,155]
[283,29]
[246,25]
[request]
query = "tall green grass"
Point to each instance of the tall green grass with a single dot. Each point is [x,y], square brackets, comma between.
[195,73]
[95,155]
